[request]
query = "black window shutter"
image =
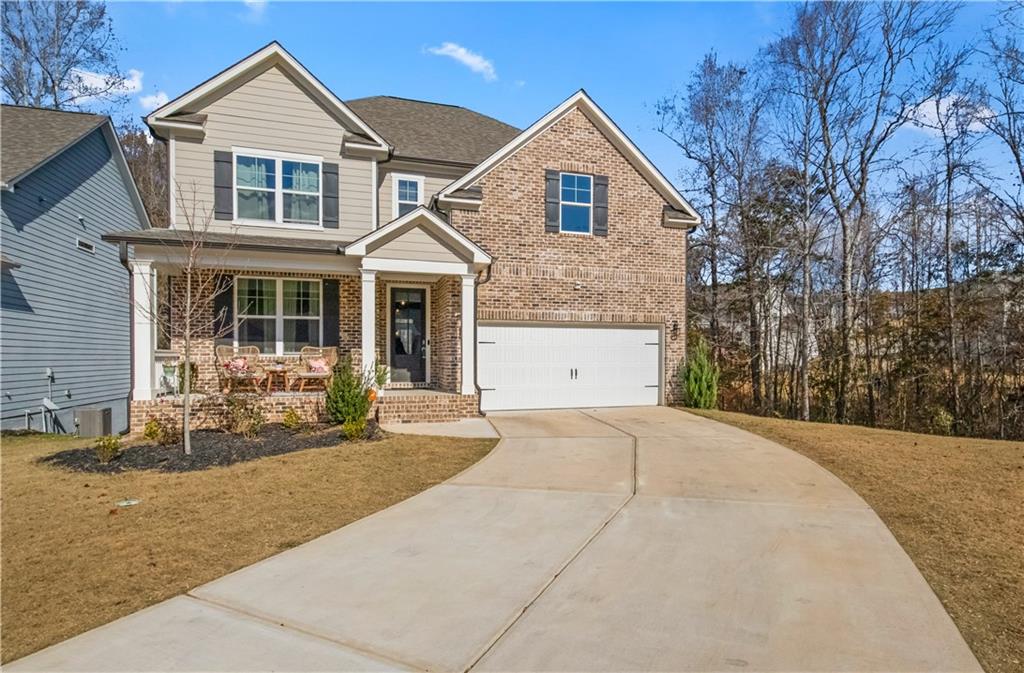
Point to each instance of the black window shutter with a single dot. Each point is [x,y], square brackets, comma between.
[223,198]
[330,195]
[331,325]
[551,201]
[600,205]
[224,310]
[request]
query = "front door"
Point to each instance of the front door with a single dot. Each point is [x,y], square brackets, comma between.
[407,341]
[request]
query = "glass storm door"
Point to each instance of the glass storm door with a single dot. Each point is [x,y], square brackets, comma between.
[408,337]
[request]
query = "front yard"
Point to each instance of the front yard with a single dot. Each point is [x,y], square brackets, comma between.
[955,504]
[72,559]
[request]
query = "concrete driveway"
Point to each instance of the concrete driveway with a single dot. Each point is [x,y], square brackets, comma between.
[642,539]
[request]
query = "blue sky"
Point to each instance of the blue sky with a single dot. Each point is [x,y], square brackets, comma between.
[525,58]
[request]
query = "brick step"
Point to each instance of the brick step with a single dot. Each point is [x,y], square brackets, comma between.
[396,407]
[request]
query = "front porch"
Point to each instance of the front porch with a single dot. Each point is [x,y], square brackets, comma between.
[404,294]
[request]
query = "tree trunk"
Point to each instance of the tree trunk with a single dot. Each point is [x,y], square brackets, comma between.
[805,337]
[954,383]
[186,401]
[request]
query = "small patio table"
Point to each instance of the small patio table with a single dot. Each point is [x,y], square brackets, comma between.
[276,370]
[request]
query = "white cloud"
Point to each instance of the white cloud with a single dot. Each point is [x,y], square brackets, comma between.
[520,83]
[153,101]
[129,85]
[256,9]
[475,62]
[950,112]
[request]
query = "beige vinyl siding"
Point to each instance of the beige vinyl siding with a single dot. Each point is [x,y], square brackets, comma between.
[434,180]
[272,112]
[416,244]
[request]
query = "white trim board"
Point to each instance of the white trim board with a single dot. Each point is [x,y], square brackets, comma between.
[421,216]
[583,102]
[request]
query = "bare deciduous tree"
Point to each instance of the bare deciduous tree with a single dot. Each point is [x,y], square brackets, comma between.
[60,55]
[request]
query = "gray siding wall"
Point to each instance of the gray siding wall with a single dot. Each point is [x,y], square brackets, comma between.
[65,308]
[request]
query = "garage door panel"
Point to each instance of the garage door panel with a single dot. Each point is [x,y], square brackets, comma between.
[529,366]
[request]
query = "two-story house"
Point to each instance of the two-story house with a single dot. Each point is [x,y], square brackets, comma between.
[488,267]
[64,303]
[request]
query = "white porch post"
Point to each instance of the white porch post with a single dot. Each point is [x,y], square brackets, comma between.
[144,330]
[468,334]
[369,304]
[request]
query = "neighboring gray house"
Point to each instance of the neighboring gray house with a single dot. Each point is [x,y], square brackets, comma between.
[64,305]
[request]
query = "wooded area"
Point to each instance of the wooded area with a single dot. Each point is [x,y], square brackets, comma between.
[861,258]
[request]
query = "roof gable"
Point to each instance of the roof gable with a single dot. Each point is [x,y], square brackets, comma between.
[586,105]
[429,222]
[180,112]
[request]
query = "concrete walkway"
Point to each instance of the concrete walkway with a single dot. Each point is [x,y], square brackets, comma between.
[602,540]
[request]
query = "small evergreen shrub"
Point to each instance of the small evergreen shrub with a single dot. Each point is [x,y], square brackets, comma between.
[700,378]
[292,420]
[244,417]
[153,429]
[107,448]
[350,397]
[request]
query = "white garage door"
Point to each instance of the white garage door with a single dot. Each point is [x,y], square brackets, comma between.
[534,367]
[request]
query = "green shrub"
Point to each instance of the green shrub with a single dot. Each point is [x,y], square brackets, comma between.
[292,420]
[354,430]
[348,396]
[161,432]
[153,430]
[107,448]
[700,378]
[941,421]
[244,417]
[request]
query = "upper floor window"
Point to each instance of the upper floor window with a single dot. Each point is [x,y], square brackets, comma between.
[408,193]
[279,189]
[576,201]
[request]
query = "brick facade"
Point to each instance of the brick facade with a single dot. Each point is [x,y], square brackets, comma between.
[634,275]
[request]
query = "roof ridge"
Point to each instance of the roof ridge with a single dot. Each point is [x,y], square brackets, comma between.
[413,100]
[50,109]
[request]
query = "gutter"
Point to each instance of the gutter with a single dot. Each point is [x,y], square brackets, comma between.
[476,340]
[122,255]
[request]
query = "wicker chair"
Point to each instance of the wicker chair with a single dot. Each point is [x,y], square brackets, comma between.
[240,367]
[315,364]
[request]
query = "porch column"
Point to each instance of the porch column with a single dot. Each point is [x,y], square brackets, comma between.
[144,330]
[468,334]
[369,303]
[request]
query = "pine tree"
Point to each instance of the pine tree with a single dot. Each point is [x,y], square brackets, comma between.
[700,378]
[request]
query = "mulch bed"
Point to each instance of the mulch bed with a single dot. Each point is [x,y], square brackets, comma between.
[210,448]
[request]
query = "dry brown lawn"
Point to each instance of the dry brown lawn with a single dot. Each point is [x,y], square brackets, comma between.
[72,560]
[955,504]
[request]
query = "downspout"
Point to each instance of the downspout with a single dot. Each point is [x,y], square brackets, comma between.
[476,339]
[122,254]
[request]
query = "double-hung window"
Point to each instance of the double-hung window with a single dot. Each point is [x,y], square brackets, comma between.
[277,189]
[408,191]
[576,203]
[279,315]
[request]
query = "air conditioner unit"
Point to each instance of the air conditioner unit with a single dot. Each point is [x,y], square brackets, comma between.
[94,422]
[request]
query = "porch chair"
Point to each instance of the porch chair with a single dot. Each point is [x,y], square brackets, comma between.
[240,366]
[315,364]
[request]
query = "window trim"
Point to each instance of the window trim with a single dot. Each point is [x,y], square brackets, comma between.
[590,206]
[420,181]
[279,190]
[279,316]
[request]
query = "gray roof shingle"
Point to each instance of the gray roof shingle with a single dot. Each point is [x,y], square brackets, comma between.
[30,136]
[422,130]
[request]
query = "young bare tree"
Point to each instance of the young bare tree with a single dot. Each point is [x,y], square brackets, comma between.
[197,253]
[61,55]
[857,57]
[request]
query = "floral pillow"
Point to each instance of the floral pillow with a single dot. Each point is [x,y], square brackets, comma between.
[237,365]
[318,366]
